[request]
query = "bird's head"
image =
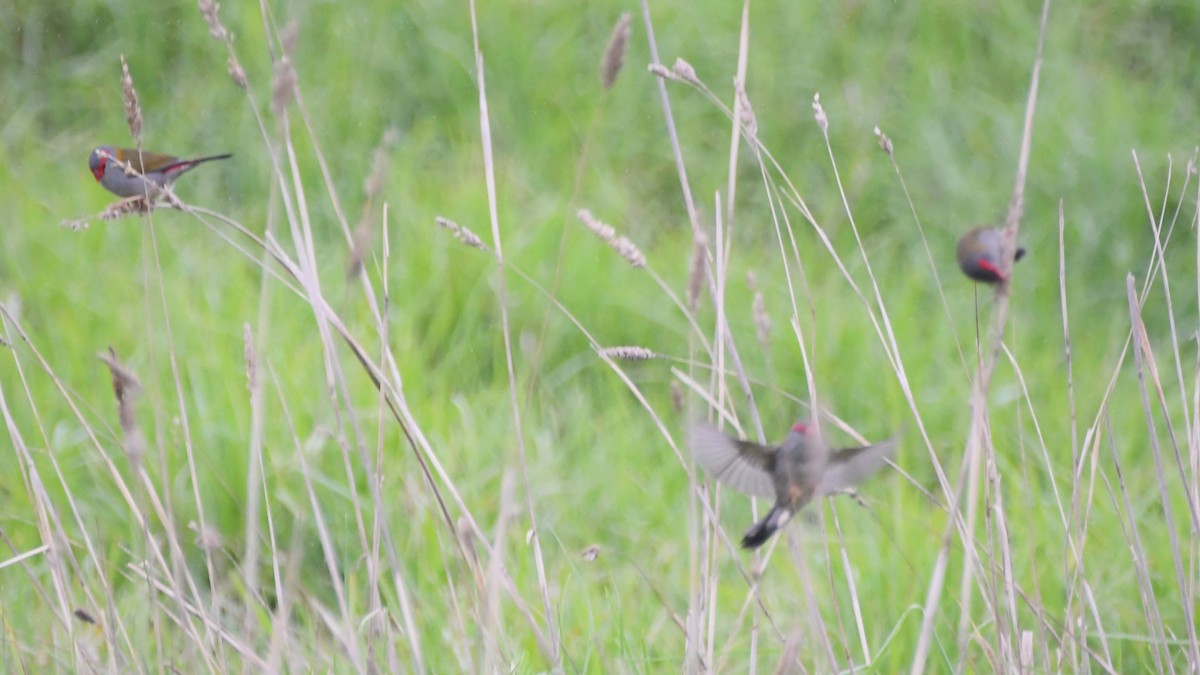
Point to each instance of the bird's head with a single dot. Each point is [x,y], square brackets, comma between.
[100,158]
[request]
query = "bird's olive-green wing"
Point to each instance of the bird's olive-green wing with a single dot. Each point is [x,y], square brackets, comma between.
[146,162]
[742,465]
[852,466]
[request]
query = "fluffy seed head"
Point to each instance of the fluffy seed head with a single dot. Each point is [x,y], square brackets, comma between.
[209,10]
[463,234]
[614,54]
[884,141]
[628,353]
[133,109]
[684,71]
[819,114]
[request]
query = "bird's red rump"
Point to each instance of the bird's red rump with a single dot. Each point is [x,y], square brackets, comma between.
[987,266]
[179,166]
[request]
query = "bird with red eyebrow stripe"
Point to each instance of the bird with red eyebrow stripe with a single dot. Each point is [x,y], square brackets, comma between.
[979,254]
[793,472]
[128,173]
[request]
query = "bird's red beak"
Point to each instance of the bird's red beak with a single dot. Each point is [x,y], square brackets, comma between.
[800,428]
[98,172]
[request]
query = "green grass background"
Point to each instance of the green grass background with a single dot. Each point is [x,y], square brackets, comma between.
[946,81]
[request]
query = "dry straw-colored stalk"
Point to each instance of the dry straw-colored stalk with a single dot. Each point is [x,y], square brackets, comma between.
[628,353]
[614,53]
[372,188]
[696,271]
[283,87]
[762,322]
[289,37]
[133,109]
[250,356]
[207,538]
[461,233]
[126,387]
[236,73]
[676,396]
[749,121]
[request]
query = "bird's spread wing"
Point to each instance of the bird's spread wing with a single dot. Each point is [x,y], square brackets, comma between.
[741,465]
[852,466]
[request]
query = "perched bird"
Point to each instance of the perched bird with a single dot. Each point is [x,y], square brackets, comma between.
[794,472]
[979,254]
[147,172]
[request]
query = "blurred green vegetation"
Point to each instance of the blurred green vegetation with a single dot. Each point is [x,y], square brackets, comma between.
[946,81]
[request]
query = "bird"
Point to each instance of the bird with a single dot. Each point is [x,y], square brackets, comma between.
[793,473]
[979,254]
[128,173]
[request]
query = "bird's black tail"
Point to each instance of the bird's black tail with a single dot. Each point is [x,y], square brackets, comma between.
[201,160]
[760,532]
[188,164]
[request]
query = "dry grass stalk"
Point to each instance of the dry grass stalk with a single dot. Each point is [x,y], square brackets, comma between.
[746,112]
[237,73]
[126,387]
[209,10]
[762,322]
[884,142]
[379,163]
[289,37]
[133,109]
[372,187]
[984,372]
[283,86]
[208,539]
[628,353]
[250,357]
[461,233]
[696,273]
[614,53]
